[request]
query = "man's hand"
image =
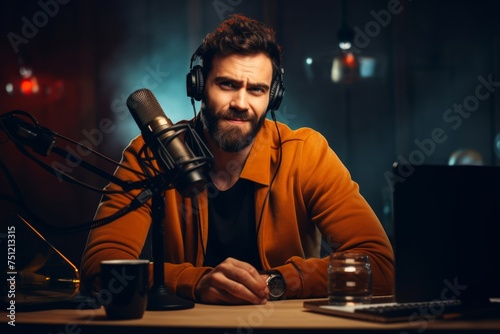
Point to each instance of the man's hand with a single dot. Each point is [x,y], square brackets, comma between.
[233,282]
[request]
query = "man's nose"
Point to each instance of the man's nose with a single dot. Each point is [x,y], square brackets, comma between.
[240,100]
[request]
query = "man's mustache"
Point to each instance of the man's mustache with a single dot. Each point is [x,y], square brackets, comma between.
[238,115]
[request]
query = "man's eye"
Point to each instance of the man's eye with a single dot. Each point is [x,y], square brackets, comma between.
[257,90]
[226,84]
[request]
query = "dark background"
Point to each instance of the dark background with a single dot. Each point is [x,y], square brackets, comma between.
[88,56]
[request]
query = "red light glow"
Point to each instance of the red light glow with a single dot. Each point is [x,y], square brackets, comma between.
[29,86]
[350,60]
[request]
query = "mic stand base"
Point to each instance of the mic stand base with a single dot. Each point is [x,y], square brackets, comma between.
[160,299]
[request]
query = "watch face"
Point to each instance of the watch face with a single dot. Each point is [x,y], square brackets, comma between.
[276,285]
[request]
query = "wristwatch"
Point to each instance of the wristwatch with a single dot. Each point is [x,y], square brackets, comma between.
[276,284]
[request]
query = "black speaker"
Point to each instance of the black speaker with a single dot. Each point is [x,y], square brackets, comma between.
[195,83]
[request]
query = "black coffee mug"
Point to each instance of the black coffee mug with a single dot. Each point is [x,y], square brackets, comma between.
[124,288]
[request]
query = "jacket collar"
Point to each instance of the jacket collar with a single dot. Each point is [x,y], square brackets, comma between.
[257,166]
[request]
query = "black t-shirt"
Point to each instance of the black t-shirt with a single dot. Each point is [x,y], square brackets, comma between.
[231,225]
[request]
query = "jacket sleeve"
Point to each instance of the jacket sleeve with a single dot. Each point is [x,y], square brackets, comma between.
[346,221]
[125,237]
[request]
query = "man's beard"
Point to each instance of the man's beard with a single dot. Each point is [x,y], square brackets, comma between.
[231,138]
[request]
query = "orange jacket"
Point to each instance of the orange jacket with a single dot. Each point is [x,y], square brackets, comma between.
[312,195]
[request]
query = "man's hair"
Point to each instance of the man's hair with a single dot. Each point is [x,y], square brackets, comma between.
[240,35]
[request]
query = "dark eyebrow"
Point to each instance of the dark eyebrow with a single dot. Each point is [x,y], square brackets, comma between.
[263,86]
[239,82]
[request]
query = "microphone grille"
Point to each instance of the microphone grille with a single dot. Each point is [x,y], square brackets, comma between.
[144,107]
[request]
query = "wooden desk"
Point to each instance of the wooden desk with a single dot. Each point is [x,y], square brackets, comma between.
[287,316]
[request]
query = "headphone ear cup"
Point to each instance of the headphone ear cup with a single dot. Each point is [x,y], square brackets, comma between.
[195,83]
[276,93]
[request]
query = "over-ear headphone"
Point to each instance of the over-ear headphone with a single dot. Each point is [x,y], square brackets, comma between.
[195,83]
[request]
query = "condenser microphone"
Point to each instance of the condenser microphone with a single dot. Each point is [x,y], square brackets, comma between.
[174,156]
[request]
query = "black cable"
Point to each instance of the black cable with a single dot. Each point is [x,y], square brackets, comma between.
[60,174]
[154,180]
[275,172]
[19,201]
[138,201]
[102,156]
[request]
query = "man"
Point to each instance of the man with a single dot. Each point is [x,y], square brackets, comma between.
[274,192]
